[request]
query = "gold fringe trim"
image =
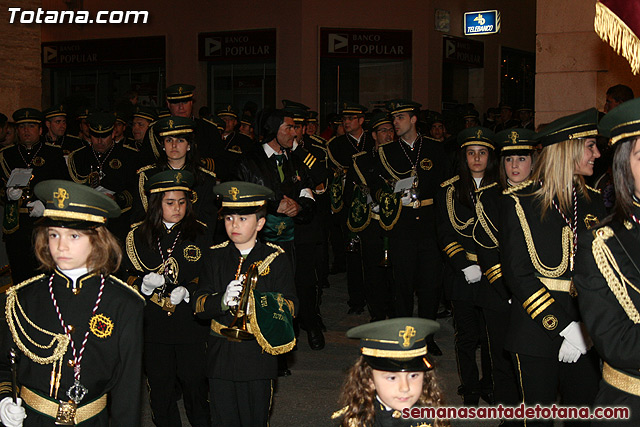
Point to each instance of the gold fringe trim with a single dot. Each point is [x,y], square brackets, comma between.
[450,181]
[620,37]
[518,187]
[264,344]
[608,266]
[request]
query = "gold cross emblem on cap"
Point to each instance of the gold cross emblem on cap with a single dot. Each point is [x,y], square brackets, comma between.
[513,136]
[26,113]
[61,195]
[171,124]
[479,133]
[180,90]
[99,127]
[179,178]
[234,193]
[406,334]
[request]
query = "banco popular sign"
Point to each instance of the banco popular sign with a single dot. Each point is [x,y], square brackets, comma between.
[365,43]
[481,23]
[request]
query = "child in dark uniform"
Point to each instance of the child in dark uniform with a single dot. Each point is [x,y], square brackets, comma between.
[393,373]
[241,371]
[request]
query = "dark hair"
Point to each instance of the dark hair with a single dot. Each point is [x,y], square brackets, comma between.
[105,257]
[623,181]
[503,173]
[152,227]
[268,123]
[3,120]
[192,161]
[465,186]
[620,93]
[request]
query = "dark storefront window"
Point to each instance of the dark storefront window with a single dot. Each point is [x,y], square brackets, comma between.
[99,73]
[518,72]
[241,68]
[364,66]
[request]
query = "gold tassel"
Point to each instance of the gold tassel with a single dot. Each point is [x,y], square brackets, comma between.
[620,37]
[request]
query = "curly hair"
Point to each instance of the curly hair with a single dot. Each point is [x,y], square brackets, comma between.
[358,396]
[105,257]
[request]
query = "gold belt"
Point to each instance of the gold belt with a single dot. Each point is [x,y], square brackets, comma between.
[420,203]
[620,380]
[560,285]
[50,407]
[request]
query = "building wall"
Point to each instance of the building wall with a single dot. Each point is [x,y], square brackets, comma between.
[574,67]
[19,60]
[298,23]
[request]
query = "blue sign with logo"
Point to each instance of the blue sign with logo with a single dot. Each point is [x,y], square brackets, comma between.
[481,23]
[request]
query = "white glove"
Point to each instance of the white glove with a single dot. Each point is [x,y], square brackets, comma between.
[568,352]
[576,336]
[179,294]
[12,414]
[14,193]
[150,282]
[405,200]
[234,289]
[473,273]
[37,208]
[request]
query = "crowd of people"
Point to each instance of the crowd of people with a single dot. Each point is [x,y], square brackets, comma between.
[223,225]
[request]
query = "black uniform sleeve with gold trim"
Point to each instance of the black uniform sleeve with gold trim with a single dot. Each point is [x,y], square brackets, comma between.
[455,225]
[487,237]
[531,296]
[608,302]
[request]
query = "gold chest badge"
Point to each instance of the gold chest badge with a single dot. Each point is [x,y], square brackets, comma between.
[101,326]
[38,161]
[192,253]
[115,164]
[590,221]
[426,164]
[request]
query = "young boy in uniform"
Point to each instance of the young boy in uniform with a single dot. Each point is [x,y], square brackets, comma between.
[241,371]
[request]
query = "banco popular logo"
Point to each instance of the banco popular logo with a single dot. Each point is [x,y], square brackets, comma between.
[338,43]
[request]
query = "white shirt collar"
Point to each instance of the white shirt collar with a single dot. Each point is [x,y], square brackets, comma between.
[270,151]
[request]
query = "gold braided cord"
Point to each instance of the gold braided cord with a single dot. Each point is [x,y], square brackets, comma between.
[394,173]
[456,223]
[13,319]
[482,219]
[143,197]
[608,266]
[567,237]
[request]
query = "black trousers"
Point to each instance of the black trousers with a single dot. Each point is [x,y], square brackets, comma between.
[417,268]
[505,385]
[20,252]
[170,365]
[377,291]
[609,396]
[542,378]
[337,238]
[240,403]
[471,332]
[307,284]
[355,278]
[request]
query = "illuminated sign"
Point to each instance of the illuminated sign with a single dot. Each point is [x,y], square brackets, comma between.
[481,23]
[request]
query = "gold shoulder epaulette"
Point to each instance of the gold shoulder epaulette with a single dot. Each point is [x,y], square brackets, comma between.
[486,186]
[358,154]
[209,164]
[50,144]
[209,121]
[385,143]
[276,247]
[202,223]
[145,168]
[595,190]
[76,150]
[320,147]
[25,283]
[126,286]
[318,139]
[603,233]
[136,225]
[128,147]
[221,245]
[4,148]
[450,181]
[207,171]
[518,187]
[331,139]
[339,413]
